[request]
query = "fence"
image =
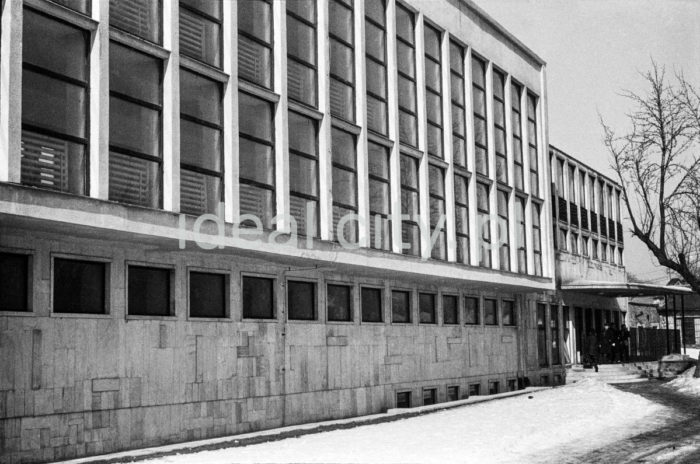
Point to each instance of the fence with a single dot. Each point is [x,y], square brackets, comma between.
[649,344]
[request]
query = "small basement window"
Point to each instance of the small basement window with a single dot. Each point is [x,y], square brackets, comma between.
[474,389]
[149,291]
[14,282]
[208,294]
[403,399]
[494,387]
[453,393]
[429,396]
[79,286]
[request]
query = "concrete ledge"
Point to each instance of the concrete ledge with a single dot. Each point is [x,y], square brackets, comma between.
[289,432]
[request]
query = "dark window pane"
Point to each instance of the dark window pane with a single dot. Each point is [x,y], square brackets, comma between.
[81,6]
[257,162]
[508,312]
[209,7]
[490,312]
[343,147]
[426,305]
[52,163]
[301,40]
[200,97]
[452,393]
[199,193]
[133,180]
[258,298]
[134,127]
[375,42]
[302,134]
[403,400]
[410,236]
[14,282]
[404,24]
[400,306]
[79,286]
[140,17]
[305,213]
[301,83]
[344,187]
[255,18]
[429,396]
[134,74]
[450,309]
[378,196]
[376,78]
[149,291]
[340,18]
[259,202]
[474,389]
[303,175]
[200,146]
[376,115]
[258,120]
[375,9]
[54,104]
[371,305]
[342,98]
[339,302]
[200,38]
[301,300]
[54,45]
[254,62]
[303,8]
[471,306]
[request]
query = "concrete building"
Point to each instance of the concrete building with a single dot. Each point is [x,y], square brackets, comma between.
[173,181]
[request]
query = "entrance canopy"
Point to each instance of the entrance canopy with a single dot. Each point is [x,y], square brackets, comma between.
[624,289]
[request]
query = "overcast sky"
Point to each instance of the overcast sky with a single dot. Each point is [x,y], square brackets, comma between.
[593,50]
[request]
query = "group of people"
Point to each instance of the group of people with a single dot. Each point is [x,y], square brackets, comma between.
[609,347]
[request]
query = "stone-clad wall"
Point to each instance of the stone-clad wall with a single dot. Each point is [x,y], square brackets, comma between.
[74,385]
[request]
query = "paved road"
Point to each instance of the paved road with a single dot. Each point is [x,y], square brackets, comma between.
[674,438]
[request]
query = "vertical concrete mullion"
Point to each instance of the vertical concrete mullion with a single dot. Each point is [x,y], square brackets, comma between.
[393,126]
[491,155]
[230,103]
[325,168]
[450,222]
[361,120]
[11,91]
[422,123]
[474,230]
[544,179]
[512,226]
[524,140]
[279,14]
[99,103]
[171,108]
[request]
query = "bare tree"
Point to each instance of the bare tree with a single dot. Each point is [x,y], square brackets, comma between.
[657,162]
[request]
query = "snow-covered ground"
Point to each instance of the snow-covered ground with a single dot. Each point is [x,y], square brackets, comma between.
[570,419]
[686,383]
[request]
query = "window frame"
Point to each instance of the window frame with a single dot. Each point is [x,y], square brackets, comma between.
[496,311]
[438,198]
[455,105]
[269,46]
[382,303]
[514,321]
[106,261]
[207,17]
[409,312]
[533,145]
[384,65]
[352,47]
[351,309]
[439,62]
[31,259]
[475,87]
[274,297]
[172,283]
[227,294]
[479,310]
[412,222]
[458,308]
[500,125]
[413,80]
[300,61]
[434,295]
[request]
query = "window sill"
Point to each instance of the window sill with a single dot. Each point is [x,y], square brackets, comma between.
[209,319]
[10,313]
[81,316]
[254,320]
[145,317]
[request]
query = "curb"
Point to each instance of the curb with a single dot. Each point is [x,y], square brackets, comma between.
[254,438]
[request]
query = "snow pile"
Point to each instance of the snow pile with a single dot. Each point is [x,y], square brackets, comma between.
[560,421]
[686,383]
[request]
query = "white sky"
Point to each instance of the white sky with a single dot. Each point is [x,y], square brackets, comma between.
[593,50]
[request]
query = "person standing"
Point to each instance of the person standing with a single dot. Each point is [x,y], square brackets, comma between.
[623,338]
[592,349]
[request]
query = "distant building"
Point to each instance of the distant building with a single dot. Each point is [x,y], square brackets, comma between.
[137,137]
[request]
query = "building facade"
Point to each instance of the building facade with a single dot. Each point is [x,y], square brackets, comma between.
[221,217]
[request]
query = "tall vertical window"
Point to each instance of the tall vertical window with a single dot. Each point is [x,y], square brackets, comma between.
[572,183]
[532,144]
[508,310]
[433,90]
[472,312]
[256,158]
[484,225]
[301,51]
[303,173]
[135,119]
[301,300]
[437,211]
[339,302]
[54,104]
[344,183]
[459,127]
[371,304]
[516,125]
[400,306]
[520,203]
[594,249]
[479,104]
[410,232]
[490,311]
[379,204]
[342,72]
[537,238]
[255,42]
[450,309]
[201,154]
[15,282]
[600,194]
[142,18]
[200,30]
[582,189]
[554,337]
[426,307]
[503,230]
[462,218]
[406,60]
[542,351]
[499,126]
[375,65]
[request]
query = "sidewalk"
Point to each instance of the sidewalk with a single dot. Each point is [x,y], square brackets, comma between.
[288,432]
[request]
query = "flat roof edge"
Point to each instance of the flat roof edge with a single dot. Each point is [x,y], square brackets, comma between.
[517,43]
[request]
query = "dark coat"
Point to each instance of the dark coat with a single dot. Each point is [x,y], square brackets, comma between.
[592,344]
